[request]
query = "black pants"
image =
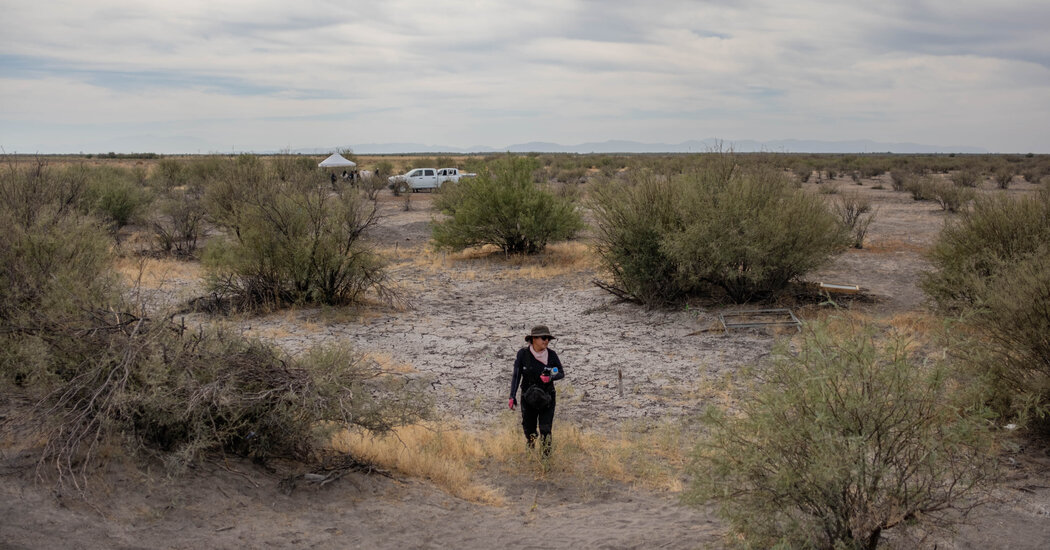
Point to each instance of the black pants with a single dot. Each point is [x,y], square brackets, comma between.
[543,418]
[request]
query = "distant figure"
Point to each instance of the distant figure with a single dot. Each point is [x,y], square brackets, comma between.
[345,175]
[333,178]
[536,367]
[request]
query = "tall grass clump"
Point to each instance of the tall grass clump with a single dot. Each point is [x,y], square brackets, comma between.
[847,438]
[732,232]
[503,206]
[290,240]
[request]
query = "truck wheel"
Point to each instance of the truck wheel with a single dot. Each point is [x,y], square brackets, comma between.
[402,187]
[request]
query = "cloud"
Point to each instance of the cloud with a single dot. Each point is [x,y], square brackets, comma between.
[495,73]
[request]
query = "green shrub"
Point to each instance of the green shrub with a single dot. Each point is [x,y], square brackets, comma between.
[170,173]
[120,201]
[100,374]
[971,251]
[506,208]
[290,241]
[950,197]
[921,189]
[966,178]
[54,260]
[847,439]
[716,231]
[1012,350]
[113,194]
[900,179]
[634,220]
[992,266]
[1003,177]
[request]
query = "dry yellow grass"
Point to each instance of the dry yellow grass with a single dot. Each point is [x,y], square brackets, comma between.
[558,259]
[890,246]
[647,455]
[156,273]
[387,363]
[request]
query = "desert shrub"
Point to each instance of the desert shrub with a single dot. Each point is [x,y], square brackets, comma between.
[966,178]
[803,173]
[1003,177]
[170,173]
[287,167]
[506,208]
[1031,175]
[921,188]
[735,232]
[974,249]
[113,194]
[991,265]
[1011,351]
[177,223]
[100,374]
[289,241]
[829,188]
[156,387]
[384,169]
[634,220]
[854,211]
[371,185]
[899,179]
[950,197]
[849,438]
[743,235]
[54,259]
[119,201]
[570,175]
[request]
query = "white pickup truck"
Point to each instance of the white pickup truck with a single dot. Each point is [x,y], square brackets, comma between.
[426,178]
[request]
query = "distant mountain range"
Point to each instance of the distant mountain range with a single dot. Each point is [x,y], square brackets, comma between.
[691,146]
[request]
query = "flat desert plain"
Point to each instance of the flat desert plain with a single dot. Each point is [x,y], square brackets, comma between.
[636,379]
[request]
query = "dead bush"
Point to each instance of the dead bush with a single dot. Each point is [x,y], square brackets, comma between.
[855,213]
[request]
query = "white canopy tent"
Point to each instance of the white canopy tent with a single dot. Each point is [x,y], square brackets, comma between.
[336,161]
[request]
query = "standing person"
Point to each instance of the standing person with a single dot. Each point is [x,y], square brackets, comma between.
[536,367]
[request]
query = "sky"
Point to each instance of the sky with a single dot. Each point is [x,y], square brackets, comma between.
[204,76]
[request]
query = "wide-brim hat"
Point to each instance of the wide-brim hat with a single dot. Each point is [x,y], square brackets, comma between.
[538,330]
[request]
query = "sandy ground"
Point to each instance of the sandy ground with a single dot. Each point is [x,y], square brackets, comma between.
[462,326]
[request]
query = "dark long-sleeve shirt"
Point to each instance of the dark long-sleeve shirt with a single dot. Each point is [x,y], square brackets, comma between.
[527,371]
